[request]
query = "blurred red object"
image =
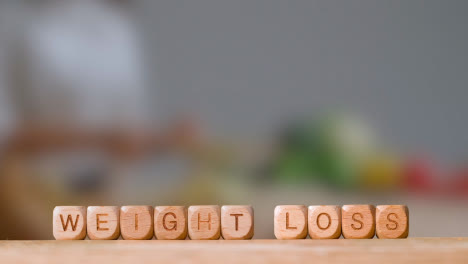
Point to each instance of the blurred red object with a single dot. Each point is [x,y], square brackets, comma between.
[419,176]
[458,184]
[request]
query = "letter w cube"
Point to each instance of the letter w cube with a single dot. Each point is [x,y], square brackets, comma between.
[69,222]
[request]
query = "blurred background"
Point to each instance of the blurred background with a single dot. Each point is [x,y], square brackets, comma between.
[264,102]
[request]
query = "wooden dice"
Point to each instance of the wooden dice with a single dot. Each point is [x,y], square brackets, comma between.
[392,221]
[358,221]
[204,222]
[136,222]
[290,222]
[69,222]
[237,222]
[103,222]
[232,222]
[324,222]
[170,222]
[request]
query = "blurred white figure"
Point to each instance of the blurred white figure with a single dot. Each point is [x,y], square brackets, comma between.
[82,65]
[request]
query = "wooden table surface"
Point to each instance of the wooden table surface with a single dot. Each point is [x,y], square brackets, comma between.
[412,250]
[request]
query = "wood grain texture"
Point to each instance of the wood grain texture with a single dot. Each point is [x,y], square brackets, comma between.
[103,222]
[204,222]
[353,251]
[69,222]
[324,221]
[392,221]
[170,222]
[136,222]
[237,222]
[358,221]
[290,222]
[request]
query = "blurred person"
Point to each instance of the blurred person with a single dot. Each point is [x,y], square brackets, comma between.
[75,106]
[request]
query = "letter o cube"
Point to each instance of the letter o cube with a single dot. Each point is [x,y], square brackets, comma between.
[324,221]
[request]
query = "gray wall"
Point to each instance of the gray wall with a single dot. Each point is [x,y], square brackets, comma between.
[243,65]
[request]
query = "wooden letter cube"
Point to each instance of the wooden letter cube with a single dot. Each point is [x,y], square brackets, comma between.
[103,222]
[136,222]
[392,221]
[237,222]
[358,221]
[324,221]
[290,222]
[204,222]
[69,222]
[170,222]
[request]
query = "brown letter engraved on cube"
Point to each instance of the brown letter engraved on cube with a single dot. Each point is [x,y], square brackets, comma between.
[69,220]
[328,221]
[237,220]
[98,222]
[287,223]
[174,223]
[357,220]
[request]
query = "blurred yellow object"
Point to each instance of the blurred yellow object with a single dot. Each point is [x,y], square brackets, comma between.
[381,172]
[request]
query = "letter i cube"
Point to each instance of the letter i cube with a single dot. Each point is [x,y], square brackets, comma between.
[136,222]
